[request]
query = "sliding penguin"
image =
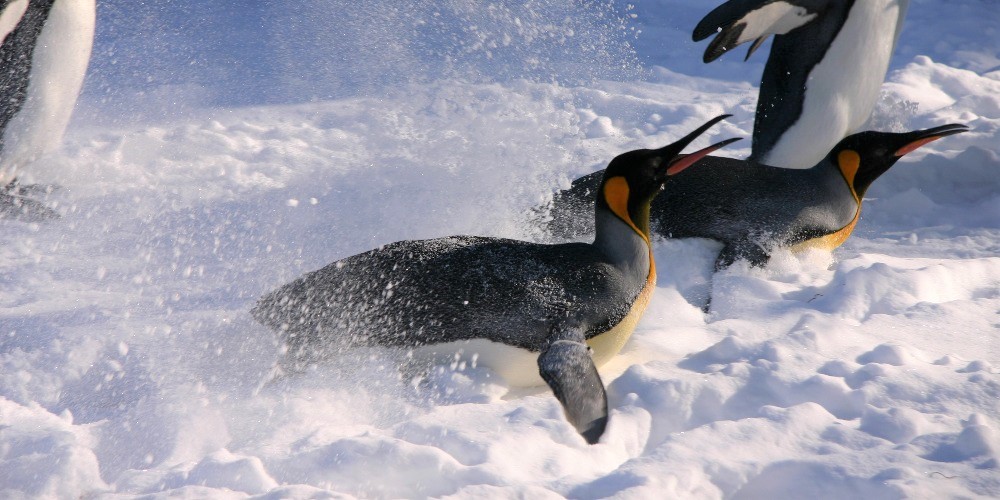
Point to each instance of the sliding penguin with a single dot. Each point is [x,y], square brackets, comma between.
[754,208]
[43,58]
[523,309]
[822,78]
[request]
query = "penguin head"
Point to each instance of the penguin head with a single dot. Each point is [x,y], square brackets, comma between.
[633,179]
[865,156]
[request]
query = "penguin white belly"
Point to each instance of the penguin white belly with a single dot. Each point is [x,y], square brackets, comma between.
[842,89]
[59,62]
[518,367]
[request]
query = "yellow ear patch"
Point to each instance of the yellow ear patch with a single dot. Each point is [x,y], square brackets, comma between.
[616,193]
[849,162]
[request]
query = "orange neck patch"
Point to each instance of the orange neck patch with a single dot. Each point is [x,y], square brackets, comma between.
[616,194]
[849,162]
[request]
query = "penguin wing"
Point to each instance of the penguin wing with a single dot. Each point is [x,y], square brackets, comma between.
[739,21]
[567,367]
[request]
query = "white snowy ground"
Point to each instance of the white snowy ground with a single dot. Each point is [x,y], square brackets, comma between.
[129,365]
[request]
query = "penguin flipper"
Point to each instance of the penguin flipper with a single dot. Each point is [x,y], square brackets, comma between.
[743,249]
[566,365]
[739,21]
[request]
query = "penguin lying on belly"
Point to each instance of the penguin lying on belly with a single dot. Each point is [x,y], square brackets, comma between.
[753,208]
[560,309]
[44,54]
[823,75]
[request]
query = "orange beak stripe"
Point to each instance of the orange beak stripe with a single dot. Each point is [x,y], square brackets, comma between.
[683,162]
[911,147]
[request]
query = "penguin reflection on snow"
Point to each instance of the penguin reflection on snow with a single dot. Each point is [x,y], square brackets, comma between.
[753,208]
[522,308]
[43,58]
[823,75]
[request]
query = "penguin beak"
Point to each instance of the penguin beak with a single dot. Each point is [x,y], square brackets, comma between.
[921,137]
[676,162]
[682,162]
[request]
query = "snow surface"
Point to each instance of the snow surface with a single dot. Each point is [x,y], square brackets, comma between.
[129,365]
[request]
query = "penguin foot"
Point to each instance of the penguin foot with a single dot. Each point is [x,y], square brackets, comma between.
[17,203]
[567,367]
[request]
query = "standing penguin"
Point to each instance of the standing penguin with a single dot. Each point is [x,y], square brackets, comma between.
[822,78]
[754,208]
[43,58]
[523,309]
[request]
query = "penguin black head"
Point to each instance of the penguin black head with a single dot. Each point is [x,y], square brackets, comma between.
[865,156]
[633,179]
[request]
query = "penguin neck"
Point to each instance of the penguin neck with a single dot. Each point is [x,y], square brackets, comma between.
[624,247]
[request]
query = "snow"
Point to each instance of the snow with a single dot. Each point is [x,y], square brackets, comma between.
[129,365]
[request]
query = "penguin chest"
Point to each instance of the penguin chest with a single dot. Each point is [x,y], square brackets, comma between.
[833,239]
[608,344]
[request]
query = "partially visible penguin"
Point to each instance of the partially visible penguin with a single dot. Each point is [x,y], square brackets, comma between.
[529,311]
[754,208]
[43,58]
[823,75]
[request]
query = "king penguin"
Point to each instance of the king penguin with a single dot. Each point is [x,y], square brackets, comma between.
[525,310]
[823,75]
[754,208]
[43,58]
